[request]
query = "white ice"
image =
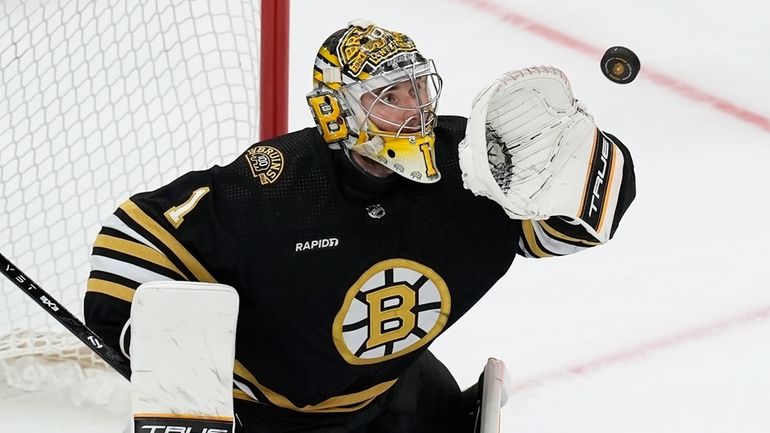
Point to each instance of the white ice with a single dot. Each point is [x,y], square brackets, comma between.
[666,328]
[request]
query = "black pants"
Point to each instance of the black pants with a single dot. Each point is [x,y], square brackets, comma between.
[425,399]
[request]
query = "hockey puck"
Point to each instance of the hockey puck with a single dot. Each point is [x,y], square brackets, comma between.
[620,65]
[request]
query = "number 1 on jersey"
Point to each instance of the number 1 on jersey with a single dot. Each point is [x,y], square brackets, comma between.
[176,214]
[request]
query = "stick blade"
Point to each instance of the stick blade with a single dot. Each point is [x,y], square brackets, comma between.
[496,389]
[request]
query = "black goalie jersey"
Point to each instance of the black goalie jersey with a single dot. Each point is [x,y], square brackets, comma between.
[338,292]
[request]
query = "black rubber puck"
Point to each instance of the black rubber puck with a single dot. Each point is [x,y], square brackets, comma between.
[620,65]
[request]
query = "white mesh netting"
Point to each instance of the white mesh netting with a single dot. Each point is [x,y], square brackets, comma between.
[100,99]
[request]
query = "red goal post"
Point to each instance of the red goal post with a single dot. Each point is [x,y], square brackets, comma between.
[274,71]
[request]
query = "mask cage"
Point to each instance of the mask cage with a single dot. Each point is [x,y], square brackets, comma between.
[425,106]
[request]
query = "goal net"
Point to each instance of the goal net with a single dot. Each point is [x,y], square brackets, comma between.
[100,99]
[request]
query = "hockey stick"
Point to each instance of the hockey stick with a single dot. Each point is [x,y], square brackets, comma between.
[75,326]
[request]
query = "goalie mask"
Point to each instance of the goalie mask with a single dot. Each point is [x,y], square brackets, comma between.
[375,94]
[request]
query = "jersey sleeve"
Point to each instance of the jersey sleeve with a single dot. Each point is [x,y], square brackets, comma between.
[144,241]
[559,236]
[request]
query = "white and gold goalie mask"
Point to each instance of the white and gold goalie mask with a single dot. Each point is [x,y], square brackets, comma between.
[375,94]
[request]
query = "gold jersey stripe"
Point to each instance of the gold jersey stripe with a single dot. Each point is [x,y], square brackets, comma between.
[531,239]
[109,288]
[342,403]
[184,416]
[559,235]
[137,250]
[141,218]
[240,395]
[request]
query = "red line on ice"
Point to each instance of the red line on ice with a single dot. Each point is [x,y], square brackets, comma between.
[660,79]
[646,348]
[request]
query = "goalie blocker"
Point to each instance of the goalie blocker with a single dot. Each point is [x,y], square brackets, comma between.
[534,149]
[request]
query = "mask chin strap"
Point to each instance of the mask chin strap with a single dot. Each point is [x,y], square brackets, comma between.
[372,146]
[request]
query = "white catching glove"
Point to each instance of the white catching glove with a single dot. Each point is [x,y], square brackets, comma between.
[532,147]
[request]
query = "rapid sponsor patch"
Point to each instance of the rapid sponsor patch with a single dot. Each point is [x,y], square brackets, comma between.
[316,244]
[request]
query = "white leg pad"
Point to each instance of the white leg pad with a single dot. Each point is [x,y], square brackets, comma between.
[182,355]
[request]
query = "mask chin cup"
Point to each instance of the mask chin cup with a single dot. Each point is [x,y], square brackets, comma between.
[410,156]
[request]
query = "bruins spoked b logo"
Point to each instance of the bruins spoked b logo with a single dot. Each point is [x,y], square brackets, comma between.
[394,308]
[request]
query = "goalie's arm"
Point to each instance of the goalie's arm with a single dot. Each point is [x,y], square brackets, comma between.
[557,236]
[150,238]
[121,261]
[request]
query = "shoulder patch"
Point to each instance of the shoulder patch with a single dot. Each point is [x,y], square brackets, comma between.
[266,163]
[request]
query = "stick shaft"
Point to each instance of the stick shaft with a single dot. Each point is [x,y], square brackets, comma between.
[63,316]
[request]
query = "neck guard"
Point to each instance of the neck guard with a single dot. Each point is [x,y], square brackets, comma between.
[356,180]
